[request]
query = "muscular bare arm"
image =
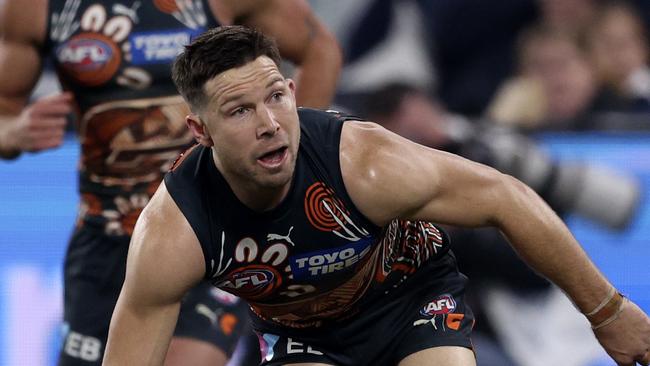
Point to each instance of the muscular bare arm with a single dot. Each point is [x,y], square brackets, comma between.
[164,261]
[41,125]
[301,38]
[390,177]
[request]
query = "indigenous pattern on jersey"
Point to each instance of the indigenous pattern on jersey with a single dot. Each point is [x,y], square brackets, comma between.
[314,256]
[131,119]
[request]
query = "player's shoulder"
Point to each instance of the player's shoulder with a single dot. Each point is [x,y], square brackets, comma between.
[323,114]
[310,117]
[363,133]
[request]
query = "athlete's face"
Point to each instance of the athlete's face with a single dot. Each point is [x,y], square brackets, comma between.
[252,121]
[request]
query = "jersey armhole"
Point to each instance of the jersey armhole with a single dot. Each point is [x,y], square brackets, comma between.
[200,223]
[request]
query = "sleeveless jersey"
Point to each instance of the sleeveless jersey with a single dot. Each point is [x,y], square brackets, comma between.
[115,56]
[314,256]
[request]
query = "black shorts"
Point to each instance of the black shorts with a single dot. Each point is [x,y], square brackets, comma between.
[94,271]
[428,310]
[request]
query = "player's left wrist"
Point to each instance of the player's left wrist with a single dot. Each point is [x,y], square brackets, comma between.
[608,310]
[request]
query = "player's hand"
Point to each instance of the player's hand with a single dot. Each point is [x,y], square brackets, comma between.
[41,125]
[627,339]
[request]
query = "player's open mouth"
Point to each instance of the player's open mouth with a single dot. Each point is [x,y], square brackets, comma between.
[273,158]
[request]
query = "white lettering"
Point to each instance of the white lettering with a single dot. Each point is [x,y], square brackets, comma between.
[439,305]
[83,347]
[78,54]
[331,258]
[313,351]
[241,282]
[90,349]
[350,261]
[162,46]
[316,260]
[291,344]
[347,253]
[314,270]
[331,262]
[255,280]
[297,347]
[73,344]
[301,262]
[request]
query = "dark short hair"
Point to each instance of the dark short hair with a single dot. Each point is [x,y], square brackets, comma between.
[215,51]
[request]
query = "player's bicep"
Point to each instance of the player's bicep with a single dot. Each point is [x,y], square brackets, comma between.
[466,194]
[20,66]
[390,177]
[22,30]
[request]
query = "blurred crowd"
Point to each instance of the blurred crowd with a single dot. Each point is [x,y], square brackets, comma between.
[479,79]
[530,64]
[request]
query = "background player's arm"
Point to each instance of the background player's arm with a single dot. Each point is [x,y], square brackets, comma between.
[41,125]
[301,38]
[390,177]
[164,261]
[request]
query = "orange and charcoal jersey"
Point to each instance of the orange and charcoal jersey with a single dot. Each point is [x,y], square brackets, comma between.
[312,258]
[115,57]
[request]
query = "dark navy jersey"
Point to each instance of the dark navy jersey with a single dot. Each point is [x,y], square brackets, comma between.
[105,51]
[115,56]
[313,256]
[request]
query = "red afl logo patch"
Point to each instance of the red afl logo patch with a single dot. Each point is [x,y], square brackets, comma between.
[252,282]
[89,58]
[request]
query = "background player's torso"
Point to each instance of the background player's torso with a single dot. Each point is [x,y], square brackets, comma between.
[115,56]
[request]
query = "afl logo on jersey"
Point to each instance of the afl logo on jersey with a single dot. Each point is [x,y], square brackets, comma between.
[89,58]
[443,304]
[252,282]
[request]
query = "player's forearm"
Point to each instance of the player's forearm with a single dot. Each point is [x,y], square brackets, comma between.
[546,244]
[318,73]
[140,337]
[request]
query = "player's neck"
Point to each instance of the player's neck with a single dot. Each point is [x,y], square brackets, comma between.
[260,199]
[257,197]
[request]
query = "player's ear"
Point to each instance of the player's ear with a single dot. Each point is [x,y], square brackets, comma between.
[292,86]
[199,129]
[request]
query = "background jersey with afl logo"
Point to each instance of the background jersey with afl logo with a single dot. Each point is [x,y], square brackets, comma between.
[314,256]
[115,56]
